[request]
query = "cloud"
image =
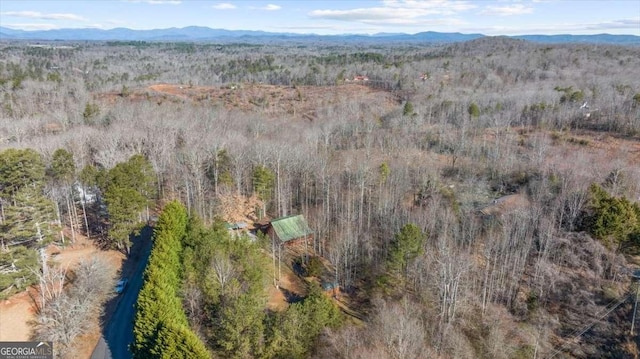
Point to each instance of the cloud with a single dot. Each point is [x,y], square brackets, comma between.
[42,16]
[224,6]
[616,24]
[272,7]
[566,28]
[268,7]
[447,7]
[397,12]
[509,10]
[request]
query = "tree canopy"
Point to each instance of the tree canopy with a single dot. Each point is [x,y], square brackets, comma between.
[613,219]
[128,189]
[161,329]
[19,168]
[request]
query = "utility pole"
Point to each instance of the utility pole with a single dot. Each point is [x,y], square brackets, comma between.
[635,307]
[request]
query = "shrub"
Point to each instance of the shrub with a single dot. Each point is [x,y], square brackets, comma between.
[315,266]
[615,220]
[408,109]
[473,110]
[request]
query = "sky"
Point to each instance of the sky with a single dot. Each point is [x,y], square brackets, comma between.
[489,17]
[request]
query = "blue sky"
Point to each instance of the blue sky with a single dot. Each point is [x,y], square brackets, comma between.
[490,17]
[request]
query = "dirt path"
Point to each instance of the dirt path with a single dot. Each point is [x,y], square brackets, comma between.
[15,312]
[289,283]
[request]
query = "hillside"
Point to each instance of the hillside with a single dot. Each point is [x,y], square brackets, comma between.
[469,200]
[205,34]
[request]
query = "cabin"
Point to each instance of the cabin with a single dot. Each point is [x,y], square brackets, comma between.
[289,230]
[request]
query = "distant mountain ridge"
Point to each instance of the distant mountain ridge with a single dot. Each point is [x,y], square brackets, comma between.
[204,34]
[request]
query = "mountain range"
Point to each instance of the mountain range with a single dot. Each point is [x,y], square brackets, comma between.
[205,34]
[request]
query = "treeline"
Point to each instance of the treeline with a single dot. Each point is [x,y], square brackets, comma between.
[161,329]
[552,82]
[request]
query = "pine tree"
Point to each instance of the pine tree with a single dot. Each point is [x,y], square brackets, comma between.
[613,219]
[128,189]
[19,168]
[62,168]
[30,221]
[303,322]
[62,172]
[263,183]
[407,110]
[161,329]
[473,110]
[406,246]
[242,327]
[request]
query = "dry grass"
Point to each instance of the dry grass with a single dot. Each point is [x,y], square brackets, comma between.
[269,100]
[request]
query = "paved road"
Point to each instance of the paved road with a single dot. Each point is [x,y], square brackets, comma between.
[118,333]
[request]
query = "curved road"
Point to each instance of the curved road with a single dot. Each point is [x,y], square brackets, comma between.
[118,333]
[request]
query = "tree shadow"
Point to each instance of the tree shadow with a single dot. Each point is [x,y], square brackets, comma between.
[291,297]
[298,269]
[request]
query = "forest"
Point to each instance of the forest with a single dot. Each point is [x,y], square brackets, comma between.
[470,200]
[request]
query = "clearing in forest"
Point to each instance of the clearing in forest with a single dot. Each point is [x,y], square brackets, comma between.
[299,101]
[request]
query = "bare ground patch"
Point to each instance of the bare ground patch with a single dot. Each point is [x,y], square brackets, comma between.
[19,311]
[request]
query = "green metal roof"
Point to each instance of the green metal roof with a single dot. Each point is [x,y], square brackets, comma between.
[292,227]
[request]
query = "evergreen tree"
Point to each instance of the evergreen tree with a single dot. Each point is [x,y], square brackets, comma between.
[219,171]
[128,189]
[161,329]
[297,329]
[263,182]
[241,327]
[384,172]
[20,259]
[615,220]
[406,246]
[62,168]
[407,110]
[89,175]
[19,168]
[62,172]
[30,220]
[473,110]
